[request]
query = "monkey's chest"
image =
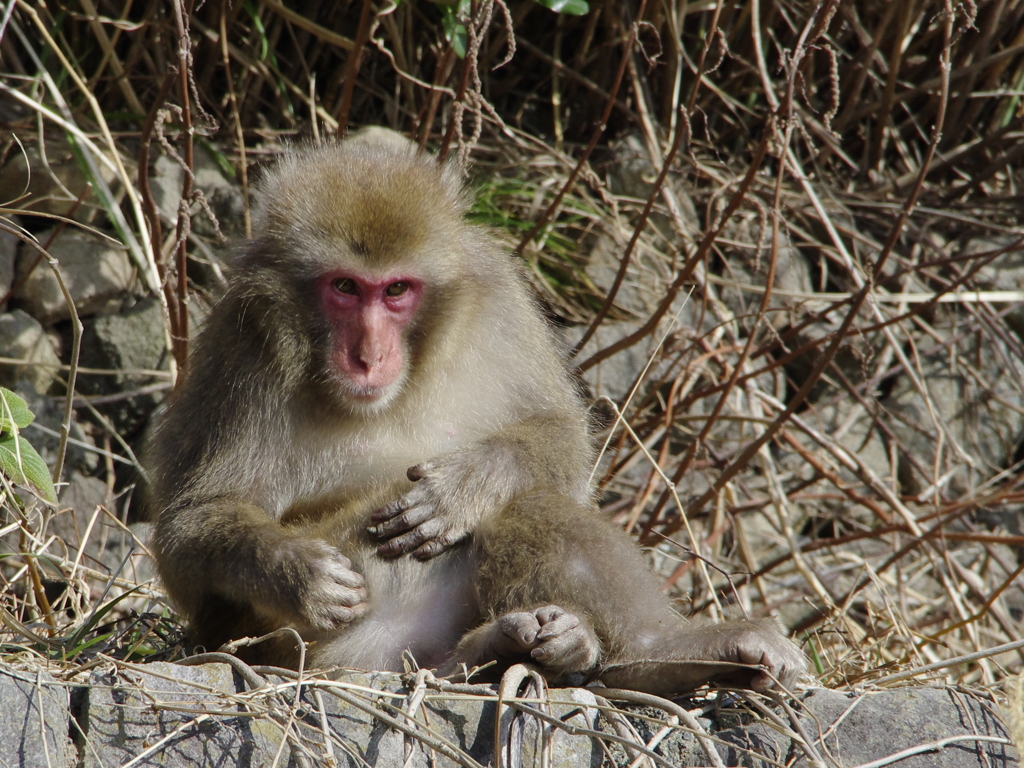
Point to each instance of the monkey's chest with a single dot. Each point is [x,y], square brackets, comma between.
[362,472]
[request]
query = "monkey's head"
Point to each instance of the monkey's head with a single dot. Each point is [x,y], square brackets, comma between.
[362,237]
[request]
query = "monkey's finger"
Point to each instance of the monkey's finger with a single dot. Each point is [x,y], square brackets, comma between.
[762,680]
[337,616]
[777,673]
[407,542]
[409,520]
[346,596]
[347,578]
[339,561]
[438,545]
[414,498]
[343,561]
[420,471]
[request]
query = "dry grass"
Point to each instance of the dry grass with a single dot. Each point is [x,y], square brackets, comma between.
[842,448]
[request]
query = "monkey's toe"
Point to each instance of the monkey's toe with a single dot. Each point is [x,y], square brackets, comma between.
[558,640]
[518,633]
[566,642]
[782,661]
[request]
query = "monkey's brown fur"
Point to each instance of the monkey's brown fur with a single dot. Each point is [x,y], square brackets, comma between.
[369,330]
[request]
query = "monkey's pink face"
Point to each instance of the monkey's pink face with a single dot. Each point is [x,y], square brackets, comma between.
[369,316]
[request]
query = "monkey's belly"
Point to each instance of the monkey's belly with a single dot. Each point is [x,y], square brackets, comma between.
[415,607]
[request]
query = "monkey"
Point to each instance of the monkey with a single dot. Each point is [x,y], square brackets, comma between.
[378,444]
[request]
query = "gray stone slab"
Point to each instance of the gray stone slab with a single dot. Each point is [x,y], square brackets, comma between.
[857,728]
[462,725]
[169,715]
[172,715]
[35,719]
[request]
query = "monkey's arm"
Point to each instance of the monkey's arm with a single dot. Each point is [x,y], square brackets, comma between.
[456,491]
[227,549]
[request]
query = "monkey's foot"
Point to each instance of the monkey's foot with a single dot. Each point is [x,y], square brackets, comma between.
[760,643]
[558,640]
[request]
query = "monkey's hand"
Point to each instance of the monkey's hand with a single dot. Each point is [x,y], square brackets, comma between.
[317,587]
[450,496]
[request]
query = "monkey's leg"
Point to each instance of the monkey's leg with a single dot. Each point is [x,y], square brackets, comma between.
[543,550]
[743,654]
[563,587]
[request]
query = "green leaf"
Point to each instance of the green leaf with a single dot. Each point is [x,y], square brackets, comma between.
[30,471]
[219,157]
[257,22]
[572,7]
[12,407]
[454,32]
[74,643]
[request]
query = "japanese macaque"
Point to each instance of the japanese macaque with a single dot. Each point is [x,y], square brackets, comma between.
[378,445]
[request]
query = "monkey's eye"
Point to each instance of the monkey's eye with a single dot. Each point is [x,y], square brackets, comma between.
[346,285]
[397,289]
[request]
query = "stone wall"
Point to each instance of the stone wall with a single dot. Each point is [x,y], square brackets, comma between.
[175,716]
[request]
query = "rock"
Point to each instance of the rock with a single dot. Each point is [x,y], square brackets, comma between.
[466,724]
[615,376]
[747,258]
[8,251]
[853,357]
[107,543]
[857,728]
[631,173]
[171,715]
[225,199]
[122,721]
[222,193]
[651,268]
[35,716]
[842,419]
[978,402]
[77,502]
[1005,271]
[165,181]
[96,272]
[133,340]
[645,283]
[54,182]
[22,338]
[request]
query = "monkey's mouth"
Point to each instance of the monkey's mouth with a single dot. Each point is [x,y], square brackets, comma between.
[368,397]
[369,394]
